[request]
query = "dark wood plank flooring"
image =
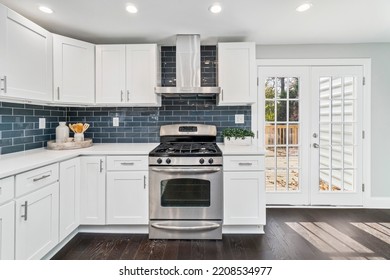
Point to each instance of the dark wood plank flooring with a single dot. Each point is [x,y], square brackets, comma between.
[297,234]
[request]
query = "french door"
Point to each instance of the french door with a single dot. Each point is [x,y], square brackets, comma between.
[310,119]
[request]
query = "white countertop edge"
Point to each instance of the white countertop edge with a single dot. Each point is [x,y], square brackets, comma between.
[15,163]
[234,150]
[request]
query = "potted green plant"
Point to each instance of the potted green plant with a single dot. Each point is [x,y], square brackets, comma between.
[237,136]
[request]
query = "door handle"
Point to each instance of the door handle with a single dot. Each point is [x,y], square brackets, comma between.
[121,95]
[144,181]
[222,94]
[101,166]
[127,163]
[25,205]
[58,93]
[245,163]
[184,228]
[5,84]
[128,96]
[315,145]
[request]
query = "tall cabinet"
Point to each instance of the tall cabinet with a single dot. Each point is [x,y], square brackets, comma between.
[25,58]
[126,75]
[7,219]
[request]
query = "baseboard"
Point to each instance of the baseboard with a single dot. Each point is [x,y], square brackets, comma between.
[60,245]
[138,229]
[243,229]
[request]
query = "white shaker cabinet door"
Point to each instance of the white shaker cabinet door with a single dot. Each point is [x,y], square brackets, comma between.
[7,231]
[74,70]
[26,58]
[93,191]
[127,198]
[36,223]
[244,198]
[69,196]
[141,75]
[110,74]
[237,73]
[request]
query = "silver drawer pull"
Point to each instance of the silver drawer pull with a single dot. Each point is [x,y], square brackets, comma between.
[127,163]
[5,84]
[144,182]
[41,178]
[184,228]
[245,163]
[25,205]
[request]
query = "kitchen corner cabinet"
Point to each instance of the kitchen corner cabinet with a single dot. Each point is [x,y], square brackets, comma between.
[93,190]
[126,75]
[244,191]
[69,196]
[26,58]
[237,73]
[127,190]
[74,71]
[36,223]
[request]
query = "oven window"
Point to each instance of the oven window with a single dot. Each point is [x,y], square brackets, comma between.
[185,193]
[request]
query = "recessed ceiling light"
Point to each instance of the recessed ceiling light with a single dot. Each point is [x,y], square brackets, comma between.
[131,9]
[215,8]
[304,7]
[46,10]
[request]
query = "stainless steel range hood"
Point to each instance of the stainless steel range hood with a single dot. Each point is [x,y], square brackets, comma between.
[187,69]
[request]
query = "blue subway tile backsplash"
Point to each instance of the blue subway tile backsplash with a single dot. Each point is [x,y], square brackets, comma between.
[19,129]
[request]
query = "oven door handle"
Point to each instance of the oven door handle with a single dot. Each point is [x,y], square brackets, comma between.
[190,228]
[187,170]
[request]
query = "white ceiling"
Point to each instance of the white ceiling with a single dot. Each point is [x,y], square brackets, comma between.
[261,21]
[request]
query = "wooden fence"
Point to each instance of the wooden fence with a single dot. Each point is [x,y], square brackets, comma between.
[279,133]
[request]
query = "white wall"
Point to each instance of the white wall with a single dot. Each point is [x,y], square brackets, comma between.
[380,91]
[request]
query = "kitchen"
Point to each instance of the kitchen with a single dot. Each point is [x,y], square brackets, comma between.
[138,132]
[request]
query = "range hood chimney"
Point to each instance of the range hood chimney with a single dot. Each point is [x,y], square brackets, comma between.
[187,69]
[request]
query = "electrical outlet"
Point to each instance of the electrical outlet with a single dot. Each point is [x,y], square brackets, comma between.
[239,118]
[42,123]
[115,121]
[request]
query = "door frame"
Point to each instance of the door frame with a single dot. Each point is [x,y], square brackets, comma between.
[366,124]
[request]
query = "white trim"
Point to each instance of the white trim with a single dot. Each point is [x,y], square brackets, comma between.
[368,200]
[243,229]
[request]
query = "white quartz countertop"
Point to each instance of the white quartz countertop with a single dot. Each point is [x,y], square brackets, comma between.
[22,161]
[233,150]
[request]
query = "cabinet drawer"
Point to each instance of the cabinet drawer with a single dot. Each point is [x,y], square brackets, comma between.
[118,163]
[32,180]
[243,163]
[6,189]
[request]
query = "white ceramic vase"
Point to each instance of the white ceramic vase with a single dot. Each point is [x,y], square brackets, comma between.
[62,133]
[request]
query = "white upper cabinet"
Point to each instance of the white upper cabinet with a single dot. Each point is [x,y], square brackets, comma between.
[141,74]
[74,71]
[237,73]
[127,74]
[26,58]
[110,73]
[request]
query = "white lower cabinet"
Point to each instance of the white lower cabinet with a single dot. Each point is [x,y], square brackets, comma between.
[7,231]
[93,190]
[69,196]
[244,190]
[244,200]
[36,223]
[127,197]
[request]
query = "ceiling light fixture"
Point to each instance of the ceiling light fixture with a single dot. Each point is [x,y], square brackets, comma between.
[46,10]
[215,8]
[131,9]
[304,7]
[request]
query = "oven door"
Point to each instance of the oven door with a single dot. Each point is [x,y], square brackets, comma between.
[186,193]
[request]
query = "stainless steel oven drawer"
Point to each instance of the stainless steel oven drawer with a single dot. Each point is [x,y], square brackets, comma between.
[182,229]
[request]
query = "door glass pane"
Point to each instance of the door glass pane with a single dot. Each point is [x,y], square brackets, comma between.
[281,181]
[337,115]
[337,157]
[324,111]
[348,180]
[185,193]
[349,91]
[337,180]
[325,86]
[281,133]
[349,110]
[324,180]
[336,88]
[324,135]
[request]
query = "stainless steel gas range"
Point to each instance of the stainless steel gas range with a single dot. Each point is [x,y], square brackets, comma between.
[186,187]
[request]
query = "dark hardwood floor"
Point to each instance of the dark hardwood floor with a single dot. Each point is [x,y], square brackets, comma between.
[289,234]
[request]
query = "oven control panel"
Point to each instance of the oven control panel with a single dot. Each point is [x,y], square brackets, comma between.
[188,161]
